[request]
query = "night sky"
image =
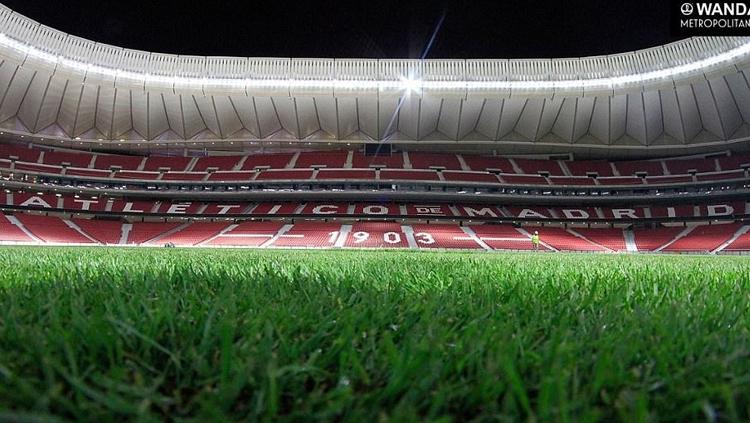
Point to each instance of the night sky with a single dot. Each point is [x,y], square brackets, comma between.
[371,29]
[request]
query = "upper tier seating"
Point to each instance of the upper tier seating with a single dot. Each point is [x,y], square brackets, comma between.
[524,179]
[488,163]
[658,180]
[720,176]
[346,174]
[620,180]
[175,164]
[332,159]
[567,180]
[470,177]
[335,166]
[533,167]
[136,175]
[285,174]
[20,153]
[216,163]
[681,167]
[183,176]
[738,161]
[394,161]
[271,161]
[60,158]
[39,168]
[587,167]
[108,161]
[231,176]
[434,160]
[630,168]
[409,175]
[94,173]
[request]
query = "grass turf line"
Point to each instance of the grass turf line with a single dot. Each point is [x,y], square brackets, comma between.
[106,334]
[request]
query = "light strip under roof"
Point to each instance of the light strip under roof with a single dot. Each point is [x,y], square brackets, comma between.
[405,83]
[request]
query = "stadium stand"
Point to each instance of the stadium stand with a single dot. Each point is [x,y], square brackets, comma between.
[564,240]
[142,232]
[216,163]
[60,158]
[588,167]
[329,159]
[108,161]
[106,232]
[443,236]
[486,163]
[652,239]
[611,238]
[375,235]
[52,229]
[409,175]
[630,168]
[270,161]
[175,164]
[11,233]
[434,160]
[533,167]
[246,234]
[309,235]
[504,237]
[190,234]
[394,161]
[704,238]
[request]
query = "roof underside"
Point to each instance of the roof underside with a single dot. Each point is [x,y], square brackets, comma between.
[699,110]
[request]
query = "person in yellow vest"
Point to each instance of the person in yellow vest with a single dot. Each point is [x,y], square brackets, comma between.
[535,240]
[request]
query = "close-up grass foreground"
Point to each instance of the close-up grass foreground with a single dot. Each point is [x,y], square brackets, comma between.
[106,334]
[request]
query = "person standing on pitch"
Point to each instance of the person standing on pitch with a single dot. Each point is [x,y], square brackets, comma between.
[535,240]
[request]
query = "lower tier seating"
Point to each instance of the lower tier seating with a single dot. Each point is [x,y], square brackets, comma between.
[38,229]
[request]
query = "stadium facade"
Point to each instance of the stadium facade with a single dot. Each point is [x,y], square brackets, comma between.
[638,151]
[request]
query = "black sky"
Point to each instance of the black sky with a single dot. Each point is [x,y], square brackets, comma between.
[375,29]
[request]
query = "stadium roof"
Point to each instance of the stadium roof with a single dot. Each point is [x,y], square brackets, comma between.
[692,95]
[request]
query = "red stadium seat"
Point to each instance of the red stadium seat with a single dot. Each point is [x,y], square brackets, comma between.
[376,235]
[430,160]
[52,229]
[704,238]
[488,163]
[443,236]
[394,161]
[331,159]
[533,167]
[225,163]
[175,164]
[107,161]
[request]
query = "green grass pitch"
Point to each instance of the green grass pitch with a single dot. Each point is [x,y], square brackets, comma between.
[104,334]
